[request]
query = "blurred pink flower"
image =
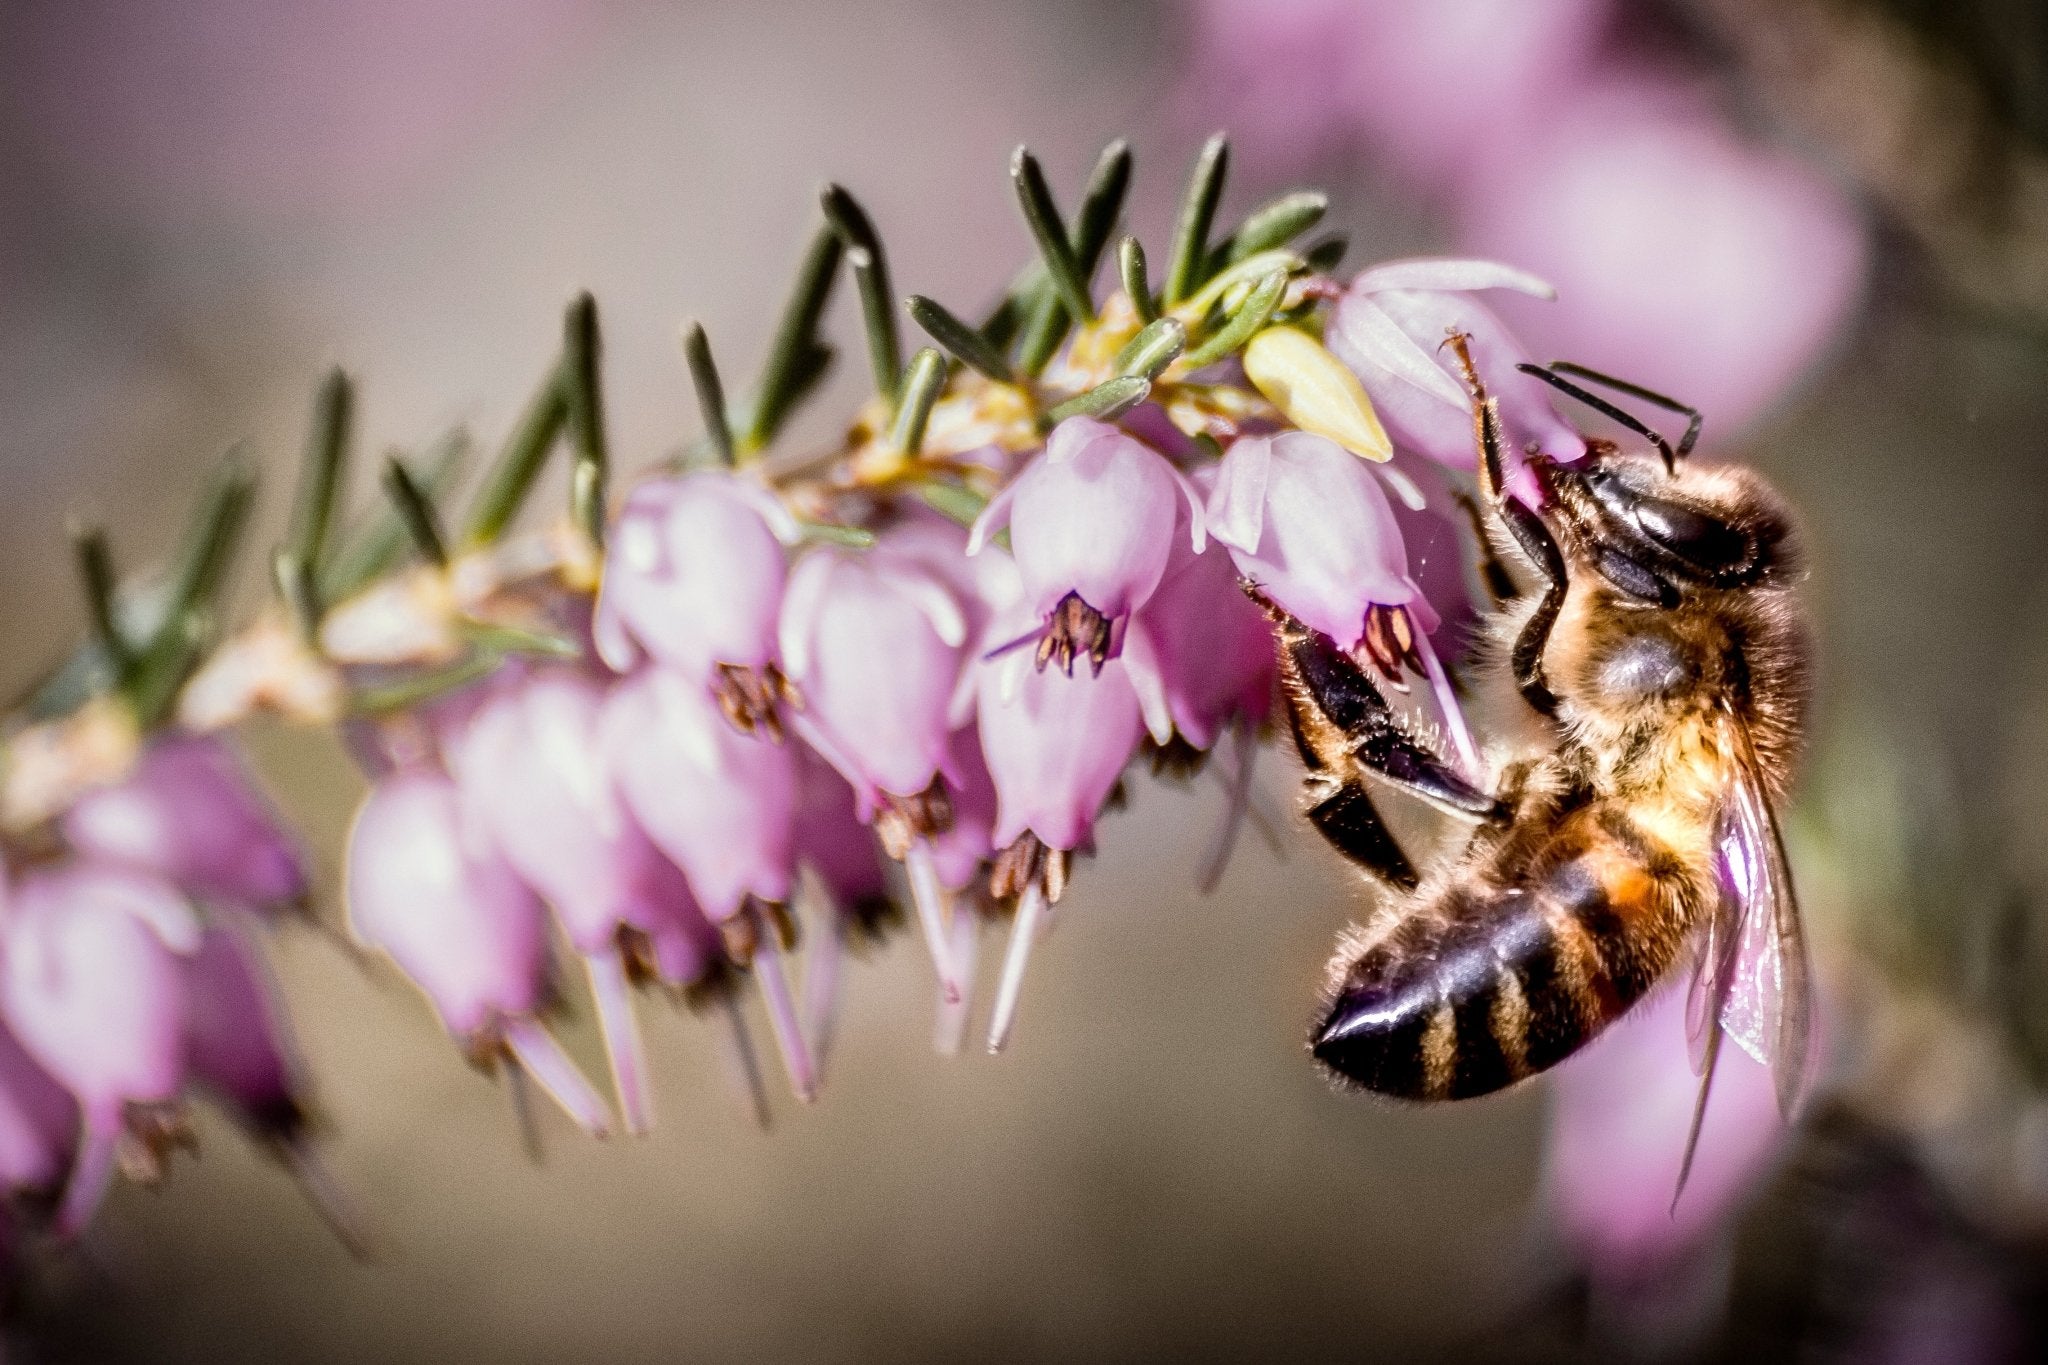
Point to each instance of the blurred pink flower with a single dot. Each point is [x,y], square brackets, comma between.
[1307,522]
[720,804]
[38,1123]
[874,646]
[695,575]
[1433,85]
[958,853]
[835,843]
[238,1042]
[533,776]
[1205,648]
[1619,1115]
[94,991]
[190,812]
[426,887]
[1714,269]
[1091,522]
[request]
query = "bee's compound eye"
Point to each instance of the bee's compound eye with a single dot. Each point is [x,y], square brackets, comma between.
[1706,542]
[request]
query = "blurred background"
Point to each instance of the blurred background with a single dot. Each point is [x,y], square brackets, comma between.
[1825,221]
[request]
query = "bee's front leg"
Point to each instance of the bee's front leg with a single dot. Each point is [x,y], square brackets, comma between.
[1346,726]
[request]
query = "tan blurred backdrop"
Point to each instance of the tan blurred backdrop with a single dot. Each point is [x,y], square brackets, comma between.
[202,205]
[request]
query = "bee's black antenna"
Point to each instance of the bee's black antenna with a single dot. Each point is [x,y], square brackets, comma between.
[1627,419]
[1686,410]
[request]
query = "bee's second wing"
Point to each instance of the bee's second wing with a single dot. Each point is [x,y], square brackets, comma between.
[1752,974]
[1751,980]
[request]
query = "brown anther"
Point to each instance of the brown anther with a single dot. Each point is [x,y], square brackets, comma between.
[1389,643]
[905,819]
[1075,629]
[1176,758]
[1026,863]
[744,931]
[751,698]
[153,1132]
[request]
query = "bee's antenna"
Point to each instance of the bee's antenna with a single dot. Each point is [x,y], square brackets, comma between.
[1602,406]
[1686,410]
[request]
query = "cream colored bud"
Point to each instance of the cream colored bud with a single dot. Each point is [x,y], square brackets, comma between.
[1314,390]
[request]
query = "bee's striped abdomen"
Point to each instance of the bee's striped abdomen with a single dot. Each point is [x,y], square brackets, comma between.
[1485,984]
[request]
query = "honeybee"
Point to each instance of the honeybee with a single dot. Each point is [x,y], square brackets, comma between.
[1661,660]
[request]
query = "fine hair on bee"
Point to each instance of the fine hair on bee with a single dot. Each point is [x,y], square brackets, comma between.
[1648,632]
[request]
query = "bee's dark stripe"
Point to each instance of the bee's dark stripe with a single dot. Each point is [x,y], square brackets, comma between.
[1576,889]
[1352,824]
[1559,1005]
[1482,1065]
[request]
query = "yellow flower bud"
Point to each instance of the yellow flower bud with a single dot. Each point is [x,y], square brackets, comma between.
[1314,390]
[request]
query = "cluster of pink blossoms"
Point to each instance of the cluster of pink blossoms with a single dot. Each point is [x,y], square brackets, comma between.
[710,735]
[132,978]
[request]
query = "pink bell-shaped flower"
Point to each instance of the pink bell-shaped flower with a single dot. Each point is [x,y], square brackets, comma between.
[693,578]
[428,889]
[1390,328]
[93,989]
[982,584]
[190,812]
[1307,523]
[1055,747]
[1203,649]
[722,806]
[1091,522]
[38,1123]
[874,644]
[719,804]
[534,778]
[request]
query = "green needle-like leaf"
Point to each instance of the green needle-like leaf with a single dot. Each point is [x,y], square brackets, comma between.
[322,473]
[96,577]
[710,390]
[1197,212]
[1130,264]
[1274,223]
[526,451]
[299,590]
[871,276]
[1153,348]
[1251,315]
[1034,196]
[792,365]
[416,512]
[192,590]
[923,382]
[1326,254]
[967,346]
[953,501]
[585,398]
[378,546]
[1105,402]
[1048,318]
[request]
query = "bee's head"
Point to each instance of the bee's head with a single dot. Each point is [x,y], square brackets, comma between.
[1660,536]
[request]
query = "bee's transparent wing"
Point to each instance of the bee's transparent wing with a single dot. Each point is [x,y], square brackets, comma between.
[1751,980]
